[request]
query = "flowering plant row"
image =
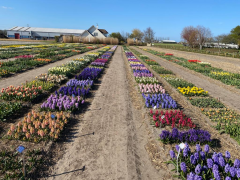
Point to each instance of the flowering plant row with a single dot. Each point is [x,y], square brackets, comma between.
[62,103]
[73,91]
[173,119]
[20,93]
[163,100]
[36,127]
[57,79]
[151,88]
[202,165]
[192,91]
[192,136]
[80,83]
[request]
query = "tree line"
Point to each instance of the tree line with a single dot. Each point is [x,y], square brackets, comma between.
[198,36]
[147,36]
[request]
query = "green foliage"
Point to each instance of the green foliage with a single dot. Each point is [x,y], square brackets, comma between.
[9,108]
[206,103]
[235,33]
[117,35]
[57,38]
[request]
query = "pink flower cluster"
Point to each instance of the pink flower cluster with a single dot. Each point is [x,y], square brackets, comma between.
[151,88]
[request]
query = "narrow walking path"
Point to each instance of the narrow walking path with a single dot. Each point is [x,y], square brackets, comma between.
[225,63]
[29,75]
[116,150]
[228,97]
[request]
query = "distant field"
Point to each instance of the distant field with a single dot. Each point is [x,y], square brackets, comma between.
[186,48]
[166,44]
[24,41]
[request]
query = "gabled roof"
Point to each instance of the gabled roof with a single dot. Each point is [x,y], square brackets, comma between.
[103,31]
[74,31]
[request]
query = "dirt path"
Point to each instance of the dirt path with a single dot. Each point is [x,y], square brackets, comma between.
[116,150]
[228,97]
[29,75]
[225,63]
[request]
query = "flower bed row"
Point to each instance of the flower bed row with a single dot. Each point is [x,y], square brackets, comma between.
[25,62]
[204,68]
[199,164]
[47,125]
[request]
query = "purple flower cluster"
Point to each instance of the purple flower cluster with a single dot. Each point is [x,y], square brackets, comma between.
[66,90]
[206,166]
[89,73]
[80,83]
[62,103]
[190,136]
[97,64]
[163,100]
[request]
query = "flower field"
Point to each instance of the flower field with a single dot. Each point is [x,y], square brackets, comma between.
[197,164]
[178,124]
[43,55]
[204,68]
[47,118]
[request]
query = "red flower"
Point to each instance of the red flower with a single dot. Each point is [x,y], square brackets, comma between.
[157,124]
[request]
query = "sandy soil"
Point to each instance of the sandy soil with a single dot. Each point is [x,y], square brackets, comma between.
[228,97]
[29,75]
[116,150]
[225,63]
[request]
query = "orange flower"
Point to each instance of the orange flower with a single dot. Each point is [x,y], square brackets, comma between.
[31,130]
[28,135]
[12,128]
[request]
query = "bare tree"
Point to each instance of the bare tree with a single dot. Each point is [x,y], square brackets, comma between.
[219,39]
[189,35]
[149,35]
[203,35]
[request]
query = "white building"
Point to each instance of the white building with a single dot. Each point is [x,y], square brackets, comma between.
[49,33]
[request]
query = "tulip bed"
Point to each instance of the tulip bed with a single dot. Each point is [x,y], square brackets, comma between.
[48,125]
[200,164]
[204,68]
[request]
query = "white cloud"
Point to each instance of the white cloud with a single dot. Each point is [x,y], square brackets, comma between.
[4,7]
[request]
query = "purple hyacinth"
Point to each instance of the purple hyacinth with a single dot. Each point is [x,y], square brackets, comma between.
[209,163]
[177,148]
[198,169]
[215,159]
[183,167]
[238,173]
[197,177]
[206,148]
[191,176]
[216,175]
[196,155]
[202,154]
[232,171]
[236,163]
[227,168]
[227,178]
[172,154]
[221,161]
[227,155]
[185,152]
[198,148]
[215,167]
[192,159]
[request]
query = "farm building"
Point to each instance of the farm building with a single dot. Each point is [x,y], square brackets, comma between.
[50,33]
[169,41]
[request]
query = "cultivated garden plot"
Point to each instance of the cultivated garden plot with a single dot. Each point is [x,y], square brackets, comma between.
[204,68]
[229,95]
[226,63]
[46,118]
[195,164]
[46,54]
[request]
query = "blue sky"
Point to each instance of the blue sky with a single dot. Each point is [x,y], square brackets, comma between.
[166,17]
